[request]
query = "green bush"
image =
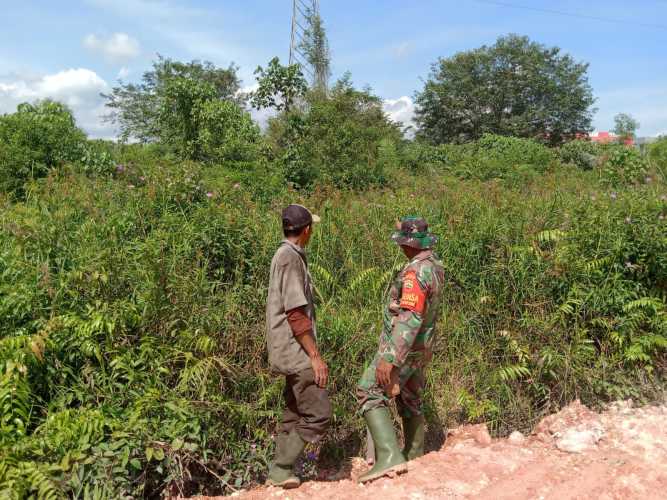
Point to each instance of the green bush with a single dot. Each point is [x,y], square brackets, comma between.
[512,159]
[226,133]
[96,158]
[623,166]
[658,156]
[581,153]
[35,139]
[514,151]
[422,157]
[143,154]
[336,139]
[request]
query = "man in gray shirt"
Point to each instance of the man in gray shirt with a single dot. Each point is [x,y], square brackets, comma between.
[292,346]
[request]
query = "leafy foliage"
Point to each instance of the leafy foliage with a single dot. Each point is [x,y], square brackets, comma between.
[515,87]
[96,158]
[315,47]
[624,165]
[583,154]
[35,139]
[278,86]
[625,126]
[335,139]
[130,362]
[195,124]
[514,151]
[138,109]
[226,133]
[658,156]
[178,115]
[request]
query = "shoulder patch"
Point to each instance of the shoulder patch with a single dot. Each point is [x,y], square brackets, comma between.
[413,296]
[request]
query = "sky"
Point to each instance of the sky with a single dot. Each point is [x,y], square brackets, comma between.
[73,50]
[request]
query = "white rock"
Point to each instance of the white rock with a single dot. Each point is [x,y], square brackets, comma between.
[516,438]
[578,441]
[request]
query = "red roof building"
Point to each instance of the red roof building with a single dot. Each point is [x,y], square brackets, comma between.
[608,137]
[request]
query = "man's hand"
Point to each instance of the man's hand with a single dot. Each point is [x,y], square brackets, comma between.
[321,370]
[383,373]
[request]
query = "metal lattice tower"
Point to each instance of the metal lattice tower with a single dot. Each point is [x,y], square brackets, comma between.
[303,12]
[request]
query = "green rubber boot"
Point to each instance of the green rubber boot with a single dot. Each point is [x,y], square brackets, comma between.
[413,432]
[288,449]
[388,457]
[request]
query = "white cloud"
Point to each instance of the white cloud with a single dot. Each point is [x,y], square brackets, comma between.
[77,88]
[262,116]
[123,73]
[401,110]
[116,48]
[202,33]
[248,89]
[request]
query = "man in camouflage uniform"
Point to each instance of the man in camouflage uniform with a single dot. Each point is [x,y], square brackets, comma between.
[410,313]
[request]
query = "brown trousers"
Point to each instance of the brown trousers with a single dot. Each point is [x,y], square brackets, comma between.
[307,407]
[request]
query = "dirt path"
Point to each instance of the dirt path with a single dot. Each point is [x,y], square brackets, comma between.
[576,453]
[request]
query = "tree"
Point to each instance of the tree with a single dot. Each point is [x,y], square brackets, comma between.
[135,108]
[625,126]
[35,139]
[315,46]
[279,86]
[198,125]
[514,87]
[178,115]
[226,133]
[336,138]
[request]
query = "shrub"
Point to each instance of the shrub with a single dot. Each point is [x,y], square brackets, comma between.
[143,154]
[583,154]
[336,139]
[514,151]
[499,157]
[421,157]
[35,139]
[96,158]
[388,157]
[294,158]
[658,156]
[178,115]
[622,166]
[343,135]
[226,133]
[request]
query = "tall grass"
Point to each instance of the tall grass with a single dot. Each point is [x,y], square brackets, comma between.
[132,350]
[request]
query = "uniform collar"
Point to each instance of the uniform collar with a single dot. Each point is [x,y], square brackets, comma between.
[424,254]
[294,247]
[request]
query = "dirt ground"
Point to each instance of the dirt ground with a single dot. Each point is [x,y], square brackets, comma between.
[576,453]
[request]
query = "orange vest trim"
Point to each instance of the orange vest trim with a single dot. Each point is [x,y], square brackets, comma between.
[413,296]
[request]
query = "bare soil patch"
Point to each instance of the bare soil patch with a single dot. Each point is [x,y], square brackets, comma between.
[576,453]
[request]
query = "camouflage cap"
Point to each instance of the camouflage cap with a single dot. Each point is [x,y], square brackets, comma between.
[413,232]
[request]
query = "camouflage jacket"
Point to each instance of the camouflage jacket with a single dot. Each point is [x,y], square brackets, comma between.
[411,310]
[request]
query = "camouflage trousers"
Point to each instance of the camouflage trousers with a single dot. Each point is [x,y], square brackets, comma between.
[410,380]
